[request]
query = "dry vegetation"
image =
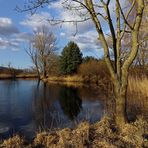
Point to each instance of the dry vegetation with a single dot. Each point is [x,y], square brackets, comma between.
[139,86]
[103,134]
[138,95]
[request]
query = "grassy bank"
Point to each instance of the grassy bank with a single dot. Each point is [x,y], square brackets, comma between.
[103,134]
[78,79]
[23,75]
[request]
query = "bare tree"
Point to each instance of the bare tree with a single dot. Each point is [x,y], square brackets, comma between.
[34,57]
[118,26]
[43,44]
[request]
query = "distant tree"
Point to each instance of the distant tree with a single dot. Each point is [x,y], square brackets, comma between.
[43,44]
[70,59]
[54,68]
[89,58]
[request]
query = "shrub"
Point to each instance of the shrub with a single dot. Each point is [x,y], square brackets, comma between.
[93,67]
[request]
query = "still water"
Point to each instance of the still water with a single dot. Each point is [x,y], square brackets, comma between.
[27,106]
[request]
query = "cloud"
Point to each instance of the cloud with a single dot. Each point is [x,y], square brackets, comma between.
[8,43]
[36,20]
[14,42]
[56,5]
[7,27]
[10,36]
[87,41]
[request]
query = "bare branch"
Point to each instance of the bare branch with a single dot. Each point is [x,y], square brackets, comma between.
[124,18]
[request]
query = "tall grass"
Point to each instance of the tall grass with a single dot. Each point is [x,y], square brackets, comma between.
[137,96]
[138,85]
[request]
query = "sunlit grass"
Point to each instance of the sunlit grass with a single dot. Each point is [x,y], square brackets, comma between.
[137,96]
[138,86]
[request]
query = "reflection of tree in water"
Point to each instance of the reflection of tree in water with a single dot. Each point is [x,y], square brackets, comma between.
[44,110]
[71,103]
[41,104]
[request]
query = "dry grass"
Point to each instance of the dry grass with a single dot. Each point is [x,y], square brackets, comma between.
[14,142]
[73,78]
[79,79]
[138,86]
[23,75]
[103,134]
[137,98]
[5,76]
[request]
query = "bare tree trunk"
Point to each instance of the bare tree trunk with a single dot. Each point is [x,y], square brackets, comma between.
[120,106]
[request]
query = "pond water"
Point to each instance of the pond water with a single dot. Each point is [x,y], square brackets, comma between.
[27,106]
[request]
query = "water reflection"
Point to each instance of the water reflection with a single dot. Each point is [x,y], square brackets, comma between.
[52,103]
[27,106]
[70,102]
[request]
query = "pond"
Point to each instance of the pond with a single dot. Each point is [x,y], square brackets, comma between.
[27,106]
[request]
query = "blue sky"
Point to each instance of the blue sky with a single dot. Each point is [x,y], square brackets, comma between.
[15,30]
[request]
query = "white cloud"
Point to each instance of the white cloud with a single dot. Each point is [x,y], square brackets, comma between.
[87,41]
[36,20]
[3,43]
[5,22]
[7,27]
[14,42]
[56,5]
[8,43]
[10,36]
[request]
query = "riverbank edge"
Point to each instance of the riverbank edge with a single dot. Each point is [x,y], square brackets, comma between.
[103,133]
[77,79]
[25,76]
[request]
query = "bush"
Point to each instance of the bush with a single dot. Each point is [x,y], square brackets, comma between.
[93,67]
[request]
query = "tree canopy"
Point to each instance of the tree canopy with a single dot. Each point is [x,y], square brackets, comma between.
[70,59]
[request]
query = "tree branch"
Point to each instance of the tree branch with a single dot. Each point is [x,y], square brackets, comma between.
[124,18]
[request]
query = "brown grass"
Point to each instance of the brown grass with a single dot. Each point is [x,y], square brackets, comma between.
[5,76]
[70,78]
[137,98]
[23,75]
[14,142]
[103,134]
[138,86]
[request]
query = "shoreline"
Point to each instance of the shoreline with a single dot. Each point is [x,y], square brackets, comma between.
[104,133]
[77,79]
[25,76]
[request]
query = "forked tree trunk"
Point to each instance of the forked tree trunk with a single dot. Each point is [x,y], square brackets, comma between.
[120,90]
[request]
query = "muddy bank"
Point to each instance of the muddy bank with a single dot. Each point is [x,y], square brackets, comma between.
[103,134]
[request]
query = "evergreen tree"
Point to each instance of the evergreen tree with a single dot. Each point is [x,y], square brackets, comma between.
[70,59]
